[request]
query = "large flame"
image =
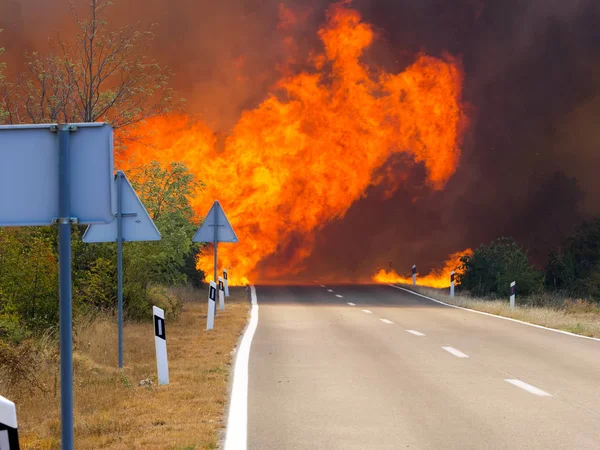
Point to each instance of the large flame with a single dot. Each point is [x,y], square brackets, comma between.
[313,146]
[438,278]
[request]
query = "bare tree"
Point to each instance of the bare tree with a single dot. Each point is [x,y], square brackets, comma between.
[102,75]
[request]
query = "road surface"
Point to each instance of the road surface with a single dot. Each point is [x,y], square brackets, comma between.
[374,367]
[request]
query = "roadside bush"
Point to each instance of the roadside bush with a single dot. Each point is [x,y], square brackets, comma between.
[491,268]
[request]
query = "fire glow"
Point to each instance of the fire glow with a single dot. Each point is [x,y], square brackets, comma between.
[439,278]
[302,157]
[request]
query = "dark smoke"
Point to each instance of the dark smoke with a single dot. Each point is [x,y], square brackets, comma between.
[532,86]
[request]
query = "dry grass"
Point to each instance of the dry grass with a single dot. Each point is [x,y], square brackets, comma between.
[112,410]
[576,316]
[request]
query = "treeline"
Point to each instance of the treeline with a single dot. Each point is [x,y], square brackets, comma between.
[29,262]
[572,270]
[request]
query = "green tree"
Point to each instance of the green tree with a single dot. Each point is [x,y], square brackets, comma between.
[491,268]
[576,267]
[165,193]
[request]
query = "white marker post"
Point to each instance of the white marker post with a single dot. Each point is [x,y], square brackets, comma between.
[452,284]
[513,289]
[9,437]
[160,339]
[226,278]
[414,274]
[212,299]
[221,294]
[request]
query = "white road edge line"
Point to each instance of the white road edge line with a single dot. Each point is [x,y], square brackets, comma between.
[496,316]
[329,290]
[323,286]
[367,311]
[528,387]
[339,296]
[237,422]
[416,333]
[351,304]
[386,321]
[455,352]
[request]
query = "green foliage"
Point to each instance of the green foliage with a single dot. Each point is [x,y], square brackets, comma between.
[491,269]
[576,267]
[28,279]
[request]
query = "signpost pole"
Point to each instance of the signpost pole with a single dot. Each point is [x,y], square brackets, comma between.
[64,258]
[216,244]
[120,261]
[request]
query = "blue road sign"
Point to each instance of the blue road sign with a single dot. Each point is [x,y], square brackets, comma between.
[29,174]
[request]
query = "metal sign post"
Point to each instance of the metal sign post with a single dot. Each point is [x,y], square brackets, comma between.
[65,294]
[133,224]
[57,186]
[216,228]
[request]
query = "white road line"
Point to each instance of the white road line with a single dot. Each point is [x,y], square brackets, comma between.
[386,321]
[494,315]
[455,352]
[329,290]
[323,286]
[367,311]
[528,387]
[416,333]
[339,296]
[237,422]
[352,304]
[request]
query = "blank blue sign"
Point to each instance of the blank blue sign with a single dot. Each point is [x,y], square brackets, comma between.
[29,174]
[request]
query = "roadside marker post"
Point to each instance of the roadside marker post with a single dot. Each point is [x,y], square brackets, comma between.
[216,228]
[414,274]
[160,340]
[9,435]
[64,176]
[225,277]
[133,223]
[221,294]
[513,291]
[212,299]
[452,284]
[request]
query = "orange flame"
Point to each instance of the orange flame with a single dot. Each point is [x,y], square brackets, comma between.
[436,278]
[312,148]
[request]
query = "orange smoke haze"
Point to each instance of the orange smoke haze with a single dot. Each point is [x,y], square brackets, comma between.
[313,146]
[436,278]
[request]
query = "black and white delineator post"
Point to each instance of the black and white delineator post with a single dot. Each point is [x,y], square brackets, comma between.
[221,294]
[216,228]
[212,306]
[414,274]
[9,436]
[513,291]
[160,339]
[452,284]
[226,279]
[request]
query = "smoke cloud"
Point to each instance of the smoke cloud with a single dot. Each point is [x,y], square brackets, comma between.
[532,87]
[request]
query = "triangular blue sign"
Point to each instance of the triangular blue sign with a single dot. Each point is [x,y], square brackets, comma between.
[215,219]
[137,224]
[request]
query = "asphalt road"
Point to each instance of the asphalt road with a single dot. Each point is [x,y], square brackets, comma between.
[325,374]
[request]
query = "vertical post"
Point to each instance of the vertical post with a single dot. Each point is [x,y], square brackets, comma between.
[9,435]
[212,299]
[513,289]
[226,277]
[216,242]
[414,274]
[64,261]
[221,294]
[160,341]
[452,284]
[120,261]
